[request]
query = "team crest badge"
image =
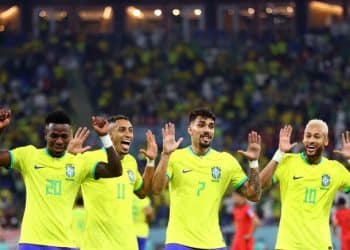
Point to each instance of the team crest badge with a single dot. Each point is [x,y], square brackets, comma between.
[216,173]
[326,180]
[131,175]
[70,171]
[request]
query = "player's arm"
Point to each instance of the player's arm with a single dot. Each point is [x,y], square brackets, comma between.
[5,119]
[251,188]
[150,153]
[284,146]
[113,167]
[149,214]
[160,178]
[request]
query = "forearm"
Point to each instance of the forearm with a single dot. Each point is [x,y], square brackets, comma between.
[159,180]
[253,188]
[147,181]
[114,163]
[267,174]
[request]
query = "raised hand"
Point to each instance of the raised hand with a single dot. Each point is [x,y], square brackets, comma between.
[5,117]
[75,145]
[254,147]
[169,142]
[345,150]
[100,125]
[152,148]
[285,135]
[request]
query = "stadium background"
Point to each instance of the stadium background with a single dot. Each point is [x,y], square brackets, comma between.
[257,64]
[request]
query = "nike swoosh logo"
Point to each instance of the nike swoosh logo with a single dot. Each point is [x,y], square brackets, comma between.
[38,167]
[297,177]
[186,170]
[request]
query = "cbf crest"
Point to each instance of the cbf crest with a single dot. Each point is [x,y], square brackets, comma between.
[215,173]
[70,172]
[131,176]
[325,180]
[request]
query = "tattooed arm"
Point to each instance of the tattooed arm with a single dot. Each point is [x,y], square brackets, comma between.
[251,189]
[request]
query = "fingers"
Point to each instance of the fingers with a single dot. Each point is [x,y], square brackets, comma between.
[286,131]
[254,137]
[179,141]
[82,133]
[336,151]
[169,129]
[345,137]
[5,114]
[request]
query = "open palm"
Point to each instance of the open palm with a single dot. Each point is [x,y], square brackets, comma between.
[254,147]
[151,151]
[345,150]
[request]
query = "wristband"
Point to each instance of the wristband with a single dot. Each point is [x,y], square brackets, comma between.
[106,141]
[277,157]
[150,163]
[254,164]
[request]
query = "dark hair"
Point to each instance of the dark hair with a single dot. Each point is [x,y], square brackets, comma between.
[115,118]
[341,201]
[58,117]
[206,113]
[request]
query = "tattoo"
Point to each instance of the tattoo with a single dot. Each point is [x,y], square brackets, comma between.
[254,181]
[251,189]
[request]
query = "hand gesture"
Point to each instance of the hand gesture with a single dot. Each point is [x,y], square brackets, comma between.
[100,125]
[5,118]
[284,143]
[169,142]
[345,150]
[254,147]
[152,148]
[75,145]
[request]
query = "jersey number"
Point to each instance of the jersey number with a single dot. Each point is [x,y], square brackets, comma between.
[310,196]
[53,187]
[121,191]
[201,186]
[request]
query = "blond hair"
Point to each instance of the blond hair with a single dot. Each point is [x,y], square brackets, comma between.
[321,123]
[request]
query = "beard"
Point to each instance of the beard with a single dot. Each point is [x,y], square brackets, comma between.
[316,155]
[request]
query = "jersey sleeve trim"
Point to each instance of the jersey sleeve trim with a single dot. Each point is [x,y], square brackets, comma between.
[168,175]
[346,190]
[139,187]
[274,179]
[240,184]
[93,171]
[11,159]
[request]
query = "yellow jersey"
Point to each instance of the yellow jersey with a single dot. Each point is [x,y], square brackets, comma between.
[140,220]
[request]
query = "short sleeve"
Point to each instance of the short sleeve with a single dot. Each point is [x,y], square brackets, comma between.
[170,167]
[138,181]
[90,162]
[238,177]
[19,155]
[344,176]
[280,171]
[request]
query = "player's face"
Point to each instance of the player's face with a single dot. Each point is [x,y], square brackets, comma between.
[202,131]
[57,137]
[314,140]
[122,135]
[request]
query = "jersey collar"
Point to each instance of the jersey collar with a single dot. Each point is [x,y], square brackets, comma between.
[194,153]
[303,156]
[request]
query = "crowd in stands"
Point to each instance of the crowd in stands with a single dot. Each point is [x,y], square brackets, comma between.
[250,83]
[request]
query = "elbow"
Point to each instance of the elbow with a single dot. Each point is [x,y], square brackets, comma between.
[255,197]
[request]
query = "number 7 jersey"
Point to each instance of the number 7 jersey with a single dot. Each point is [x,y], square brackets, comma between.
[307,193]
[197,185]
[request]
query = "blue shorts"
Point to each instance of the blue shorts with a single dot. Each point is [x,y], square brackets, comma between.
[142,243]
[174,246]
[22,246]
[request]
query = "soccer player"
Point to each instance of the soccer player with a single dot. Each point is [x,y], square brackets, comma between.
[341,219]
[109,221]
[52,178]
[246,221]
[308,184]
[143,216]
[198,177]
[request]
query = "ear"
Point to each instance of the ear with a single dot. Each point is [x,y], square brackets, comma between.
[326,141]
[189,130]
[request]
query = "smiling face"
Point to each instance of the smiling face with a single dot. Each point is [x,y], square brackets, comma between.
[315,140]
[202,130]
[57,137]
[122,134]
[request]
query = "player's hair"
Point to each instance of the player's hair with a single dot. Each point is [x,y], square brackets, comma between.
[115,118]
[319,122]
[341,201]
[204,112]
[58,117]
